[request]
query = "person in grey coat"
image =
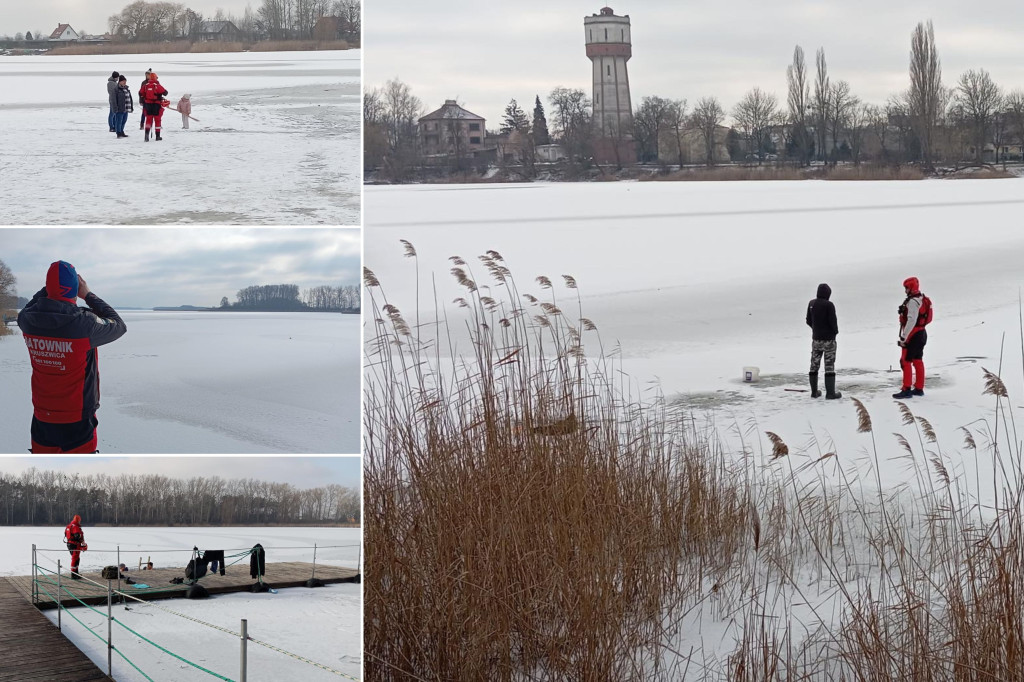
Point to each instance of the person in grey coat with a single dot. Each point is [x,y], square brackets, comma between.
[112,100]
[124,105]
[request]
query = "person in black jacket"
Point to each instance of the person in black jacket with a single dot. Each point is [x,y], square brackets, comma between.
[257,562]
[62,340]
[821,318]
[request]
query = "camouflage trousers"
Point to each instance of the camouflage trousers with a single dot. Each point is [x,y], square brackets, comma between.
[826,349]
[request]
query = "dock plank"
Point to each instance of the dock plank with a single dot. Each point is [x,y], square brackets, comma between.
[33,649]
[236,579]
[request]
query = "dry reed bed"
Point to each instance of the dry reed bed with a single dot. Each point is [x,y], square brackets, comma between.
[771,172]
[530,517]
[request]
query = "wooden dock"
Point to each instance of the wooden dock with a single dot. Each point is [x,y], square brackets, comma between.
[236,579]
[32,649]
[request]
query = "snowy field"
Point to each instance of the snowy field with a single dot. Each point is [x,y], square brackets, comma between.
[688,283]
[323,625]
[277,142]
[212,383]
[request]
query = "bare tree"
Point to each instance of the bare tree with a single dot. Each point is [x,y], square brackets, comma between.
[1015,117]
[571,115]
[798,100]
[676,121]
[857,122]
[925,97]
[841,103]
[400,114]
[8,290]
[822,92]
[649,120]
[897,113]
[756,114]
[707,116]
[978,99]
[876,122]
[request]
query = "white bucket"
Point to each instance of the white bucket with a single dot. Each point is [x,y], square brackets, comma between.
[751,374]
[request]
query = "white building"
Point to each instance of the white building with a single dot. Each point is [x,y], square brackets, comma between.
[64,32]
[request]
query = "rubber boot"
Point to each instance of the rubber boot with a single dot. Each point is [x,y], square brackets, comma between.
[830,387]
[904,394]
[147,135]
[158,138]
[813,376]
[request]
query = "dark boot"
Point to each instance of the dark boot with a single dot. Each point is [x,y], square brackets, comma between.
[904,394]
[830,387]
[813,376]
[158,138]
[147,135]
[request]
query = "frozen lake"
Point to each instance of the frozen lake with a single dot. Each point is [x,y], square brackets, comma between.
[212,383]
[692,281]
[323,625]
[277,142]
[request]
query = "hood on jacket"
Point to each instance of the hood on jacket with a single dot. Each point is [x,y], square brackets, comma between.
[824,291]
[912,284]
[49,314]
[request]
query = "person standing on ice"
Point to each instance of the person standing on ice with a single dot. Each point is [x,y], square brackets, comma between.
[185,108]
[821,318]
[125,105]
[62,340]
[915,314]
[152,96]
[112,100]
[145,79]
[75,539]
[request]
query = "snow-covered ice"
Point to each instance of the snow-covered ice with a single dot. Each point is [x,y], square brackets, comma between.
[211,382]
[277,142]
[323,625]
[692,281]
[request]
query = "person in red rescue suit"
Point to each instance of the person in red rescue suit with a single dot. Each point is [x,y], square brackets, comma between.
[915,314]
[153,102]
[62,340]
[75,539]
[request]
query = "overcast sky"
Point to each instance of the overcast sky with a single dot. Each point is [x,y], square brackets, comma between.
[302,472]
[146,267]
[485,53]
[88,16]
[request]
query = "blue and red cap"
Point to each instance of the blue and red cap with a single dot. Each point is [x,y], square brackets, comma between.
[62,282]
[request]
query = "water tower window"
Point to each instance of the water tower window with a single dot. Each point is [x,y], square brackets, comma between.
[623,35]
[606,34]
[597,98]
[609,67]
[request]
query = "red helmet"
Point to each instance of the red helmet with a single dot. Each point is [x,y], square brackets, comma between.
[77,519]
[912,284]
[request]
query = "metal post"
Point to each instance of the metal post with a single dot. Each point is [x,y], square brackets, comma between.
[314,562]
[110,627]
[119,570]
[58,594]
[35,577]
[244,663]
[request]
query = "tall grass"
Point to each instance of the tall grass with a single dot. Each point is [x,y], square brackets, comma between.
[531,514]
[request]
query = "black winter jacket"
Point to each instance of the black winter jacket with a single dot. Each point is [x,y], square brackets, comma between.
[821,315]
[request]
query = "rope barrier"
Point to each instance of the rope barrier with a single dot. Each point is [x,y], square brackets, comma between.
[304,660]
[165,551]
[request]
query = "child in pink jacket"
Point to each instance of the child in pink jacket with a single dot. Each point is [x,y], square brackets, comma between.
[185,108]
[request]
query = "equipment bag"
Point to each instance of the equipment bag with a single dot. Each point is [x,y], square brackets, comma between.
[926,313]
[109,573]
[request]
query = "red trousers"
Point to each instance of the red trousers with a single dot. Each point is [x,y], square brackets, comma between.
[910,367]
[76,554]
[151,120]
[88,448]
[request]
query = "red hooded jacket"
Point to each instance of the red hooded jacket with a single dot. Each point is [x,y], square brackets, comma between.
[73,534]
[62,340]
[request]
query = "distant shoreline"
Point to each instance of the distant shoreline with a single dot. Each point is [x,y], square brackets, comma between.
[194,309]
[44,49]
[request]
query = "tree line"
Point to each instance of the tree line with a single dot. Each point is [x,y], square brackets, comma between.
[143,21]
[51,498]
[821,119]
[287,297]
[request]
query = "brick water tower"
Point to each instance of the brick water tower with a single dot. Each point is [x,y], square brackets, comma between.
[609,47]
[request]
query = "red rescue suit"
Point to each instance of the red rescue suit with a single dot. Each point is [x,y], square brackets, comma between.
[62,340]
[152,95]
[75,539]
